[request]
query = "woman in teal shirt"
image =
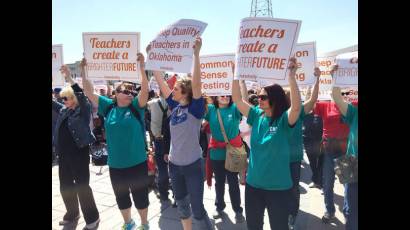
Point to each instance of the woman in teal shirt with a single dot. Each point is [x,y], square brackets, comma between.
[231,118]
[350,116]
[125,134]
[268,181]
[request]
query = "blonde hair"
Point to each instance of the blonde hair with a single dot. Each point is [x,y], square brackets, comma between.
[69,93]
[186,87]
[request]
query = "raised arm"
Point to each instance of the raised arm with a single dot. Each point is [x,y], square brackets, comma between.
[88,85]
[196,78]
[163,86]
[308,105]
[109,89]
[240,102]
[337,94]
[295,102]
[83,101]
[143,95]
[244,90]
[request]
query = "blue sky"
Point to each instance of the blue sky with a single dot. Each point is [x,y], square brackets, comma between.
[332,24]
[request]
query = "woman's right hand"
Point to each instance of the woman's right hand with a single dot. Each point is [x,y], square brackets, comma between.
[333,69]
[83,63]
[166,158]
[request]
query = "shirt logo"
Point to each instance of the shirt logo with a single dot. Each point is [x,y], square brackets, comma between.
[272,130]
[178,117]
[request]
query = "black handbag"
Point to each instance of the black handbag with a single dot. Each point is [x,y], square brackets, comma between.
[99,154]
[335,147]
[346,168]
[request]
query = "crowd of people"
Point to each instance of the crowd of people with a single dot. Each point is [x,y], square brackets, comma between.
[186,130]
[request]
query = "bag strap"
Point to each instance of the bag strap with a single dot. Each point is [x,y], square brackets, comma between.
[164,111]
[221,124]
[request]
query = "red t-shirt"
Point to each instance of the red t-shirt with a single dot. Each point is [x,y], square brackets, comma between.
[333,126]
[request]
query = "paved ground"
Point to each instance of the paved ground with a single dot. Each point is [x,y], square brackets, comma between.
[311,206]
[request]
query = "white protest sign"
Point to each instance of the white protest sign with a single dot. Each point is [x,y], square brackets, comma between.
[216,74]
[325,80]
[348,72]
[112,56]
[252,85]
[172,49]
[153,85]
[57,62]
[305,53]
[265,46]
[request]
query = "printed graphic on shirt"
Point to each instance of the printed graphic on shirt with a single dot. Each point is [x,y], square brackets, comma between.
[179,116]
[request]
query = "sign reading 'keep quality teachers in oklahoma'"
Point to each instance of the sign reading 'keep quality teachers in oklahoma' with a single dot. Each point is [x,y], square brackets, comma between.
[112,56]
[172,49]
[265,46]
[57,62]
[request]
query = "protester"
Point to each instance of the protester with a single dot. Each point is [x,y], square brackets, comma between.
[334,140]
[296,150]
[269,181]
[125,135]
[72,139]
[312,138]
[230,117]
[350,116]
[160,131]
[185,163]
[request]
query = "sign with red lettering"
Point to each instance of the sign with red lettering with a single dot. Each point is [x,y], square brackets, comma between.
[172,49]
[216,74]
[57,62]
[348,72]
[265,46]
[112,56]
[325,80]
[305,54]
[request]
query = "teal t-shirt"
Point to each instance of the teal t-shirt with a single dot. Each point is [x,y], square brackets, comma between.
[351,119]
[231,117]
[296,141]
[124,134]
[270,152]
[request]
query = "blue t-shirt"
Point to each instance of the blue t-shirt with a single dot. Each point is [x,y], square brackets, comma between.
[270,152]
[185,124]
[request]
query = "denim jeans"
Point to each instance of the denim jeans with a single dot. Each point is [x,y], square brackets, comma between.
[163,176]
[315,161]
[295,191]
[328,182]
[277,203]
[188,180]
[350,210]
[218,166]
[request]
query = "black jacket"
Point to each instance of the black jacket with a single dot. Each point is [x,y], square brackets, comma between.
[78,120]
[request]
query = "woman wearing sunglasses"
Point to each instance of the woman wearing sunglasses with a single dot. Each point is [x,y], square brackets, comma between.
[125,135]
[72,139]
[268,180]
[231,118]
[185,164]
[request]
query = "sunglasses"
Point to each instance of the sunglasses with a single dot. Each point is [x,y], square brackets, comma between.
[64,98]
[125,91]
[263,97]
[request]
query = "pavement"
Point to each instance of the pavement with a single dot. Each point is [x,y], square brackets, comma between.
[309,217]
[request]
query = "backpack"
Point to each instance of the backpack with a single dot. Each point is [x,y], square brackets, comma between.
[136,115]
[165,130]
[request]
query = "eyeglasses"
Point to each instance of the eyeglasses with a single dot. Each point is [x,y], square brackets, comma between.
[64,98]
[263,97]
